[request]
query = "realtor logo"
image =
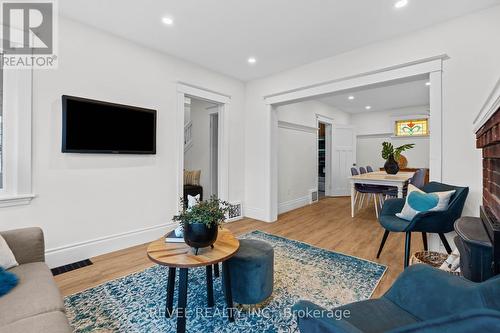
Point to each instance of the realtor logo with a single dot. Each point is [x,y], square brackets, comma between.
[28,34]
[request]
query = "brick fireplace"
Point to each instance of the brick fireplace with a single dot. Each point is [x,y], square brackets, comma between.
[488,139]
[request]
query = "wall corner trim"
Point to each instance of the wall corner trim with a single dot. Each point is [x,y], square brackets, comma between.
[490,106]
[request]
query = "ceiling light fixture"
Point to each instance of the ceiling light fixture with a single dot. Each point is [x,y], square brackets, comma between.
[167,20]
[350,97]
[428,83]
[401,4]
[252,60]
[368,107]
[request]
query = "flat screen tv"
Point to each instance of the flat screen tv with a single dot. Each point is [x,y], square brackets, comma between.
[96,127]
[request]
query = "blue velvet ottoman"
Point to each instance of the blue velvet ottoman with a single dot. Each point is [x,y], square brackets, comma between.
[252,272]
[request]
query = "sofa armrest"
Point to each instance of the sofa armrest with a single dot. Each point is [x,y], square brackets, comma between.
[429,293]
[312,318]
[476,320]
[27,244]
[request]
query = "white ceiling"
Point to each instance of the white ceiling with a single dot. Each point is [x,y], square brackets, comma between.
[389,96]
[281,34]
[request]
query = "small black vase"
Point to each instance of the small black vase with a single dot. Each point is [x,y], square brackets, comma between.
[198,235]
[391,166]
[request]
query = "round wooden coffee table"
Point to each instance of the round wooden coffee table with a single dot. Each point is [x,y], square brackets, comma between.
[181,256]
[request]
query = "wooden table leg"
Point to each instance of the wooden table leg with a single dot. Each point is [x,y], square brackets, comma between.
[170,292]
[210,287]
[182,303]
[227,290]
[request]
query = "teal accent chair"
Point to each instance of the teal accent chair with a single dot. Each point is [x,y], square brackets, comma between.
[422,299]
[425,222]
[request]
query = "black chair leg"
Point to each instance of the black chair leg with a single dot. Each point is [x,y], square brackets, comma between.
[384,238]
[407,249]
[445,243]
[424,239]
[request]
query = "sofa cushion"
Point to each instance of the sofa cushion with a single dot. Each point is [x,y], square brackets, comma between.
[50,322]
[35,294]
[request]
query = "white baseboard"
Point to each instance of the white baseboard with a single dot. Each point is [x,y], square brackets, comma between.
[293,204]
[255,213]
[67,254]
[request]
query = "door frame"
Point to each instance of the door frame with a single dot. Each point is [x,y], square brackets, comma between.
[213,160]
[328,150]
[432,66]
[223,102]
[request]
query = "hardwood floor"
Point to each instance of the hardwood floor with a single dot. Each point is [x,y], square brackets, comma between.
[327,224]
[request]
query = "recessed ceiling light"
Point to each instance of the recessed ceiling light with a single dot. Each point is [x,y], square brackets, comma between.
[401,3]
[252,60]
[167,20]
[368,107]
[351,97]
[428,83]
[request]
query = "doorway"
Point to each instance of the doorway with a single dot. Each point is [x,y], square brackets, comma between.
[324,157]
[220,104]
[429,66]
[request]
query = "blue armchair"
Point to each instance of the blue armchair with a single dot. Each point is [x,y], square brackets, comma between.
[426,222]
[422,299]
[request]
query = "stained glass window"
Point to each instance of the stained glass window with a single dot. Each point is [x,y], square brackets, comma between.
[412,127]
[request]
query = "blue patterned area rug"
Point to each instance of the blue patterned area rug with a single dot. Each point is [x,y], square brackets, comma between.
[136,303]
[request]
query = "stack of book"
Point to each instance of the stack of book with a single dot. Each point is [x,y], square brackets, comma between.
[172,237]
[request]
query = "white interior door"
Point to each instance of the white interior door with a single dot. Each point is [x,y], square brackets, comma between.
[343,158]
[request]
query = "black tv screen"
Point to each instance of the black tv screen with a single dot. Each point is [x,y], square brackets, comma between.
[91,126]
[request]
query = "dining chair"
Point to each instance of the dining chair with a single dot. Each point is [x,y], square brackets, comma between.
[362,191]
[417,180]
[439,222]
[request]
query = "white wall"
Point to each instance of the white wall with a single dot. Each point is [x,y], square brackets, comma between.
[198,156]
[373,128]
[297,165]
[468,77]
[90,204]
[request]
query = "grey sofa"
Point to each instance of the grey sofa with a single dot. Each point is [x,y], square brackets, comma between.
[35,304]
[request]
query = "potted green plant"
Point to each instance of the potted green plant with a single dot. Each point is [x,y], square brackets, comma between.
[201,221]
[391,156]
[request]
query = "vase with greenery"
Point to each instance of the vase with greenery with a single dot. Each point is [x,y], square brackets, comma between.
[202,221]
[391,156]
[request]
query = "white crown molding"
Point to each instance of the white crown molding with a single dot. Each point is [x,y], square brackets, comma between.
[296,127]
[491,105]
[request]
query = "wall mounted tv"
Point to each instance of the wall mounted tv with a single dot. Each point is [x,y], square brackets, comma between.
[97,127]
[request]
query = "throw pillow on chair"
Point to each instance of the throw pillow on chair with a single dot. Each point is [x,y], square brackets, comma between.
[418,201]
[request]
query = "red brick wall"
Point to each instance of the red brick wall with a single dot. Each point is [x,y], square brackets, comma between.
[488,139]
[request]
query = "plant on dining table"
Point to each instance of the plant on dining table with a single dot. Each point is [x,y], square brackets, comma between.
[391,155]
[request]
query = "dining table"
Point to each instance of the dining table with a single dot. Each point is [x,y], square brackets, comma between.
[381,178]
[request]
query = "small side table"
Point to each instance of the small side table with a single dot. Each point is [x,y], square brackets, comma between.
[181,256]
